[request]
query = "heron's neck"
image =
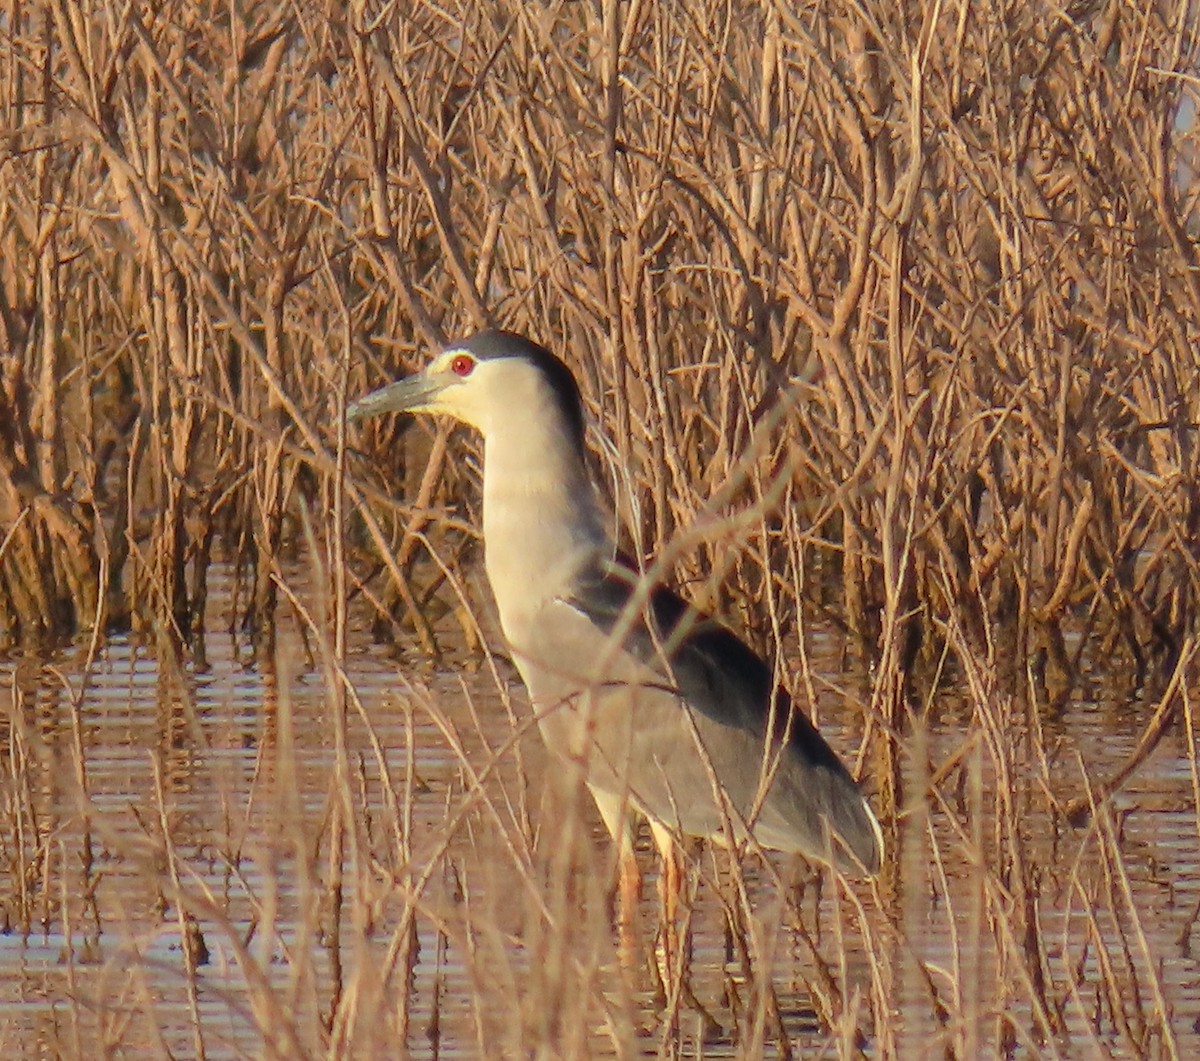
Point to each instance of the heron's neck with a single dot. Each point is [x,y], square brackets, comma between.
[541,521]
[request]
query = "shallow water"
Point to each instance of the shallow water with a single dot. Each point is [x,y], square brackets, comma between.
[226,787]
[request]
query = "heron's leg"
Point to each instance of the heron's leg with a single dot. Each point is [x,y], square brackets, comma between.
[670,883]
[629,876]
[675,979]
[629,896]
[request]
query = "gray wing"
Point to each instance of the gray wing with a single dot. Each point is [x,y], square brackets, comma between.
[726,681]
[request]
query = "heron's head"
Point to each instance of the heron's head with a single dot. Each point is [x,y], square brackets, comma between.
[493,381]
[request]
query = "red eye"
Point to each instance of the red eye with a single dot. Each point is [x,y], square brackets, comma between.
[462,365]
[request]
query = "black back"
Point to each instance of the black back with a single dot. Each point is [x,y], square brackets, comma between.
[716,672]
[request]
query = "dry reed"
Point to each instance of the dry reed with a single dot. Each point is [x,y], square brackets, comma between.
[972,226]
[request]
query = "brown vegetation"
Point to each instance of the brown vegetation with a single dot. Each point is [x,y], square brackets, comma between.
[972,225]
[978,227]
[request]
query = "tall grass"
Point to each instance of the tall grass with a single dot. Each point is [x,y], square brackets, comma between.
[889,311]
[977,227]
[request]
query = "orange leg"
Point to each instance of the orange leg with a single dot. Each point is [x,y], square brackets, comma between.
[629,895]
[614,811]
[670,883]
[676,950]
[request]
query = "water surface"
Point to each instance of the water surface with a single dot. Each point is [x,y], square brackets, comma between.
[419,883]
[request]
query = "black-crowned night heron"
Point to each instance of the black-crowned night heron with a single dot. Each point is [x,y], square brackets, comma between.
[669,713]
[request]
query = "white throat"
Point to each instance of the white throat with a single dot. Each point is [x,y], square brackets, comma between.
[541,522]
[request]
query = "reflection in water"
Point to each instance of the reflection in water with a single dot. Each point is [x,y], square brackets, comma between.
[231,869]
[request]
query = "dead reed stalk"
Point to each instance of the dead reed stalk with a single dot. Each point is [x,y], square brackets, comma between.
[900,300]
